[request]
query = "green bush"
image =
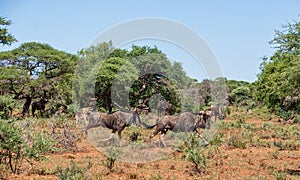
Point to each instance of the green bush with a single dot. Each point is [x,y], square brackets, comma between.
[237,141]
[7,104]
[17,146]
[11,147]
[193,154]
[73,172]
[286,115]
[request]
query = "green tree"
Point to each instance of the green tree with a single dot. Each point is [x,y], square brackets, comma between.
[278,84]
[5,37]
[35,71]
[111,73]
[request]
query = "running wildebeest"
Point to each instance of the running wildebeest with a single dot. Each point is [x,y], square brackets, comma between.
[116,121]
[185,122]
[39,105]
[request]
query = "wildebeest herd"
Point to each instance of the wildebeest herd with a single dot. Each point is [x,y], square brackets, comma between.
[117,121]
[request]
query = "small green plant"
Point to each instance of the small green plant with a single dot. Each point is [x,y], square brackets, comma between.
[266,126]
[297,119]
[217,141]
[134,136]
[236,141]
[193,154]
[73,172]
[286,115]
[275,154]
[280,175]
[109,162]
[198,159]
[155,177]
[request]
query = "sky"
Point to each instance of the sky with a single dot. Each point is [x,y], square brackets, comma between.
[237,32]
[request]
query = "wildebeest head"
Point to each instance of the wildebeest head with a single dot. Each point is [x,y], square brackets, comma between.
[203,119]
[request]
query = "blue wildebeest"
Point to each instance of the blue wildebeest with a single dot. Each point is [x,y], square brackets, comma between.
[116,121]
[39,105]
[164,108]
[217,112]
[185,122]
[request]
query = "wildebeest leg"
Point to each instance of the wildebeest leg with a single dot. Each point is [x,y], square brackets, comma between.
[162,138]
[200,136]
[111,136]
[120,137]
[33,110]
[154,134]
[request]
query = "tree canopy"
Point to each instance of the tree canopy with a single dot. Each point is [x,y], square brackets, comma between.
[278,84]
[5,37]
[37,71]
[127,78]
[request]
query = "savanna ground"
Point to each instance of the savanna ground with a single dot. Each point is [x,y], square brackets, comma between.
[246,146]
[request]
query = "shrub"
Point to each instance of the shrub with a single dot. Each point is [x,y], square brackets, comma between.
[73,172]
[11,147]
[111,158]
[17,146]
[193,154]
[197,158]
[286,115]
[7,104]
[236,141]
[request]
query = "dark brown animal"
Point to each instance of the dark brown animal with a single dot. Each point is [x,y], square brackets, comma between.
[185,122]
[116,121]
[39,105]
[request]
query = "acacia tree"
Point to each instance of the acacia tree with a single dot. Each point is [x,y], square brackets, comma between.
[124,78]
[36,70]
[5,37]
[278,84]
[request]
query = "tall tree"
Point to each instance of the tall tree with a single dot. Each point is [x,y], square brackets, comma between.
[36,70]
[278,84]
[142,72]
[5,37]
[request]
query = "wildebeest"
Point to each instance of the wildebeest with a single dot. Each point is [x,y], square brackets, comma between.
[93,104]
[216,111]
[116,121]
[39,105]
[82,115]
[185,122]
[164,108]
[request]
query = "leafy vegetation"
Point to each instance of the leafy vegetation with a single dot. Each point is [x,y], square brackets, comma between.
[5,37]
[278,83]
[15,147]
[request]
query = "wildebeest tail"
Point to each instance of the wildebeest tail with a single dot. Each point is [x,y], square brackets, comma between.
[149,126]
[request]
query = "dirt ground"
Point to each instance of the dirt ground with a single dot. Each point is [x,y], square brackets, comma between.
[261,153]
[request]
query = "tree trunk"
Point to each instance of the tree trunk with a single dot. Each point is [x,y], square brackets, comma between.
[26,106]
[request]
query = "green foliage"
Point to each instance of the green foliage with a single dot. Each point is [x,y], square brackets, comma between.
[278,83]
[241,96]
[17,146]
[34,71]
[237,141]
[73,172]
[41,144]
[194,154]
[11,147]
[285,114]
[111,74]
[109,162]
[5,37]
[7,104]
[198,159]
